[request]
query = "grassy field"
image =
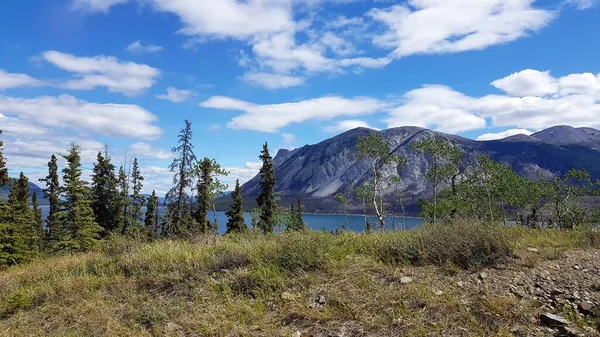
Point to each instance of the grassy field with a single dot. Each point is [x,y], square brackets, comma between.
[310,283]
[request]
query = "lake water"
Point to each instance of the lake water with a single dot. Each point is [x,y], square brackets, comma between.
[329,222]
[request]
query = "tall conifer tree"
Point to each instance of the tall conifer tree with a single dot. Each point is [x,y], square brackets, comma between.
[105,196]
[137,199]
[124,200]
[182,166]
[266,198]
[51,192]
[151,219]
[235,216]
[78,230]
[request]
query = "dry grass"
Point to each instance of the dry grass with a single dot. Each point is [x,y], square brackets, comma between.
[271,286]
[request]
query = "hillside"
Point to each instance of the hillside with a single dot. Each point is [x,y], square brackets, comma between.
[454,280]
[33,188]
[317,172]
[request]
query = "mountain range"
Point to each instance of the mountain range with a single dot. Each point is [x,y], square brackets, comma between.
[315,173]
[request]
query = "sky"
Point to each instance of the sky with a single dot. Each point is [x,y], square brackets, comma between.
[288,72]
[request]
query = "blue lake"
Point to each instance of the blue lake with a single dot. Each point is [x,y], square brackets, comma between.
[329,222]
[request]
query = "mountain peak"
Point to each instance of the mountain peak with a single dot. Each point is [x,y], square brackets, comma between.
[568,135]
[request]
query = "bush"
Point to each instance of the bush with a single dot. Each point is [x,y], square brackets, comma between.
[465,244]
[306,251]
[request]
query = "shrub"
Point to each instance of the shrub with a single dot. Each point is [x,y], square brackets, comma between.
[465,244]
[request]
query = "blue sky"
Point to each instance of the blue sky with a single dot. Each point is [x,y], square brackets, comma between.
[290,72]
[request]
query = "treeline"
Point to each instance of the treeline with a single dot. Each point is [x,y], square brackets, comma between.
[81,214]
[482,189]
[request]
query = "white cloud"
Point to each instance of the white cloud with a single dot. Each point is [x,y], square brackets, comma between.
[440,26]
[15,80]
[527,82]
[572,99]
[504,134]
[141,149]
[138,48]
[271,117]
[346,125]
[175,95]
[16,127]
[65,111]
[128,78]
[244,174]
[273,81]
[95,5]
[437,107]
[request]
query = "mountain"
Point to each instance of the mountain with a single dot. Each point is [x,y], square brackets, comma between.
[33,188]
[317,172]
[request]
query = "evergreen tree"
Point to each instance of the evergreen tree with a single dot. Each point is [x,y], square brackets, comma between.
[38,219]
[4,180]
[205,181]
[137,200]
[300,213]
[151,219]
[105,197]
[182,166]
[266,198]
[124,200]
[77,229]
[235,216]
[19,240]
[51,192]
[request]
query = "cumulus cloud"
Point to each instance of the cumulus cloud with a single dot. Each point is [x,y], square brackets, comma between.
[346,125]
[145,150]
[504,134]
[15,80]
[129,78]
[272,117]
[138,48]
[176,95]
[582,4]
[273,81]
[533,100]
[65,111]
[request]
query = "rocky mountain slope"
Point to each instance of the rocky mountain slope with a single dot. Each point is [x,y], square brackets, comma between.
[317,172]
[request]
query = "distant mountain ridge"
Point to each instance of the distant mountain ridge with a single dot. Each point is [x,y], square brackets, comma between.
[317,172]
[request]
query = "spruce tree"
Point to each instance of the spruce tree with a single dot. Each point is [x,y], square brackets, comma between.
[137,199]
[4,180]
[123,209]
[205,180]
[151,219]
[300,214]
[235,216]
[182,166]
[19,240]
[38,219]
[51,192]
[266,198]
[105,196]
[77,230]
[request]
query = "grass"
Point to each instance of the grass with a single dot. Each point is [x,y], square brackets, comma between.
[254,285]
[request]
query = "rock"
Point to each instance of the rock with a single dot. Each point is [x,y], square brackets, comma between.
[439,293]
[553,320]
[287,296]
[321,299]
[483,275]
[566,331]
[405,280]
[460,284]
[576,267]
[586,308]
[533,250]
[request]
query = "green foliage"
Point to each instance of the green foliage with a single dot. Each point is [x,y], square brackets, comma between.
[378,153]
[235,215]
[209,187]
[51,192]
[123,209]
[106,201]
[4,180]
[137,200]
[151,219]
[266,198]
[178,205]
[77,229]
[291,219]
[445,158]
